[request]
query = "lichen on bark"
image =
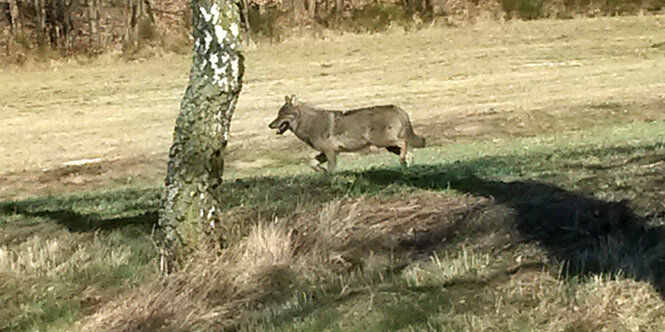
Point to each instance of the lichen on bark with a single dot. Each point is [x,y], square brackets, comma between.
[189,209]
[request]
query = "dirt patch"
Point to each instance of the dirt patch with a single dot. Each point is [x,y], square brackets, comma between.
[75,178]
[501,124]
[258,163]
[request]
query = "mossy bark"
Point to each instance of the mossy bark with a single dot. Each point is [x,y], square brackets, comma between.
[189,211]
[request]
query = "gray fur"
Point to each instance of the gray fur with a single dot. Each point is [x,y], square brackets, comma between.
[332,132]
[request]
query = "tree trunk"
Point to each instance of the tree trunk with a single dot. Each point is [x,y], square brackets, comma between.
[93,21]
[244,11]
[136,12]
[339,8]
[129,25]
[16,22]
[426,8]
[311,9]
[297,9]
[41,22]
[68,32]
[146,10]
[189,210]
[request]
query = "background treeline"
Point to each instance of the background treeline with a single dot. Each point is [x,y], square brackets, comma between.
[68,27]
[88,26]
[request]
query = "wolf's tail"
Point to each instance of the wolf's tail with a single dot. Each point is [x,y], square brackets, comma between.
[411,138]
[415,140]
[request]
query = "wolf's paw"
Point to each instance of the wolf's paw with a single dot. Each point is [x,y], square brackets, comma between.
[316,165]
[409,159]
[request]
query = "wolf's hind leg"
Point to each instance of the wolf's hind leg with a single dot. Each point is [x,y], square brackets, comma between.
[316,162]
[332,161]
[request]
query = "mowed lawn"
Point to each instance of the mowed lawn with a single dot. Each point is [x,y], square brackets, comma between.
[537,205]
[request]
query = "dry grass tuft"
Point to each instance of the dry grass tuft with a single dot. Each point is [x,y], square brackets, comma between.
[278,260]
[47,275]
[626,304]
[61,256]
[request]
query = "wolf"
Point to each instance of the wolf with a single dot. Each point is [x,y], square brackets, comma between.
[332,132]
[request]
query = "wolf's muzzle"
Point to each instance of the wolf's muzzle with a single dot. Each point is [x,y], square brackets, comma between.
[281,126]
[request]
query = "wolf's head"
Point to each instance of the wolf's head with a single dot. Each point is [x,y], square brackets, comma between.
[287,116]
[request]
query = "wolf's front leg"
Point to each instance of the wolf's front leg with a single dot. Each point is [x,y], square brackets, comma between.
[316,162]
[404,150]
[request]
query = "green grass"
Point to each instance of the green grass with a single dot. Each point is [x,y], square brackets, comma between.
[62,258]
[55,278]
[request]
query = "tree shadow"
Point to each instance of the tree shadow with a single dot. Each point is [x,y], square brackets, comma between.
[78,222]
[587,234]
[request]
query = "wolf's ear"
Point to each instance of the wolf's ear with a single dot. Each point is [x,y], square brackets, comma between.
[293,100]
[287,99]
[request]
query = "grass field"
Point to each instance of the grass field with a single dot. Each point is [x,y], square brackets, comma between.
[537,205]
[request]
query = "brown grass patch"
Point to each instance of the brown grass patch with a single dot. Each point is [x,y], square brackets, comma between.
[308,252]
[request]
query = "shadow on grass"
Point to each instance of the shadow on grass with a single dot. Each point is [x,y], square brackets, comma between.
[589,235]
[89,212]
[76,222]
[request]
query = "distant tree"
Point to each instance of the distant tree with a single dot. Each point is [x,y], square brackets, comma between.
[40,23]
[15,19]
[190,203]
[298,7]
[93,22]
[138,15]
[311,9]
[59,22]
[244,17]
